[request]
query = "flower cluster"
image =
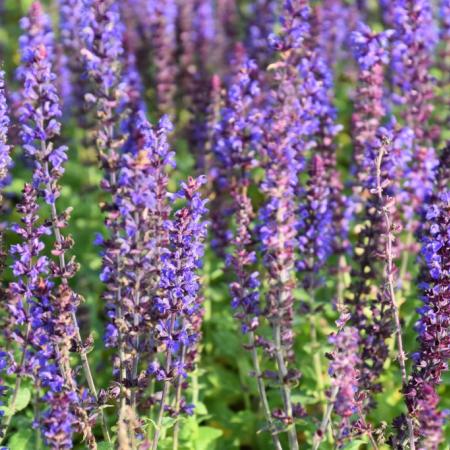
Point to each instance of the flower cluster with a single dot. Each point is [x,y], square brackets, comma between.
[38,316]
[70,14]
[5,158]
[370,309]
[370,52]
[315,236]
[345,375]
[414,41]
[262,14]
[141,203]
[51,307]
[432,358]
[309,218]
[163,14]
[179,305]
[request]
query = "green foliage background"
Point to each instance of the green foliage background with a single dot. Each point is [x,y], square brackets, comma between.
[227,415]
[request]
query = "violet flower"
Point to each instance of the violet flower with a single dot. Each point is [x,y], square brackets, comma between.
[431,360]
[179,305]
[262,16]
[39,116]
[344,372]
[370,52]
[163,16]
[414,42]
[141,202]
[70,24]
[315,225]
[226,32]
[333,23]
[238,135]
[40,126]
[5,158]
[102,38]
[132,106]
[444,14]
[35,311]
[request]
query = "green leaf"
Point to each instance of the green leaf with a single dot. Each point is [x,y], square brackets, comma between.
[354,445]
[206,436]
[20,440]
[23,399]
[104,446]
[200,409]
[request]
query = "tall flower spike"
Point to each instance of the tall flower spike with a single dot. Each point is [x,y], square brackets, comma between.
[31,305]
[319,115]
[40,126]
[102,35]
[315,235]
[386,206]
[188,50]
[414,42]
[141,202]
[283,147]
[237,142]
[102,53]
[367,311]
[202,92]
[163,16]
[431,360]
[226,25]
[5,163]
[179,304]
[262,17]
[344,372]
[39,117]
[70,24]
[334,23]
[443,63]
[371,55]
[5,158]
[133,104]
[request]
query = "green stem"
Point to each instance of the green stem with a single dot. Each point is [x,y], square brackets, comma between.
[262,392]
[389,269]
[83,356]
[285,389]
[318,437]
[176,429]
[165,392]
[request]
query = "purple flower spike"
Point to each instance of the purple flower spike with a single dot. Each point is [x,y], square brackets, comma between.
[5,159]
[370,52]
[344,373]
[70,23]
[315,225]
[41,323]
[40,126]
[413,45]
[102,35]
[163,16]
[431,361]
[142,211]
[178,310]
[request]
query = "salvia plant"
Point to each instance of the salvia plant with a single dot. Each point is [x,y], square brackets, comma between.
[225,224]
